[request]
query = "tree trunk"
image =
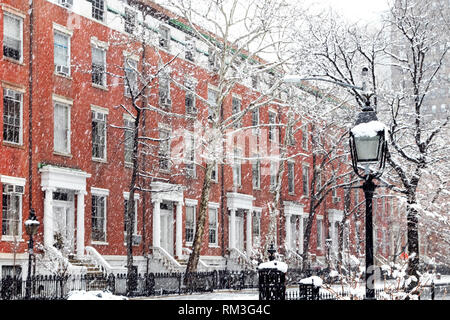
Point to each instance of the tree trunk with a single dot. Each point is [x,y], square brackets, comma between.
[413,240]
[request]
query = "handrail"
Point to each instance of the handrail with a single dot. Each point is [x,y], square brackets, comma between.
[163,254]
[101,262]
[65,262]
[241,258]
[296,255]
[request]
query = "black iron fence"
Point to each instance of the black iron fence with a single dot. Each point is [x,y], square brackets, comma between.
[52,287]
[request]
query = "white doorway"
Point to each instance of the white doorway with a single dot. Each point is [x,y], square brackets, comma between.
[167,222]
[239,230]
[64,222]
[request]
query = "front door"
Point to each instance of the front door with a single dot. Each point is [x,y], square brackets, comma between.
[63,226]
[166,233]
[240,231]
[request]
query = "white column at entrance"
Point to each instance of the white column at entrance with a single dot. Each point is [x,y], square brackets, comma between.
[288,231]
[80,223]
[48,217]
[157,223]
[178,231]
[232,235]
[249,232]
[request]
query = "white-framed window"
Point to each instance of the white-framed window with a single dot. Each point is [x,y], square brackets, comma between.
[272,129]
[255,121]
[189,49]
[99,214]
[212,103]
[61,53]
[98,9]
[236,109]
[305,180]
[12,116]
[130,77]
[190,155]
[164,37]
[319,227]
[290,139]
[129,128]
[99,134]
[125,220]
[256,172]
[130,20]
[291,176]
[213,222]
[256,229]
[214,173]
[13,37]
[99,66]
[213,59]
[164,91]
[305,137]
[190,96]
[237,168]
[190,224]
[273,174]
[11,210]
[61,128]
[164,149]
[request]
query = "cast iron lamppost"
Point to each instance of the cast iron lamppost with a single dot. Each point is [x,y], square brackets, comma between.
[368,148]
[31,227]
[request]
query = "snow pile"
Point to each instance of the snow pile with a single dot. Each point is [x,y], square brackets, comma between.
[279,265]
[93,295]
[369,129]
[316,281]
[30,222]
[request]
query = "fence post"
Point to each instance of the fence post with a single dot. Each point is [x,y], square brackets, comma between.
[433,287]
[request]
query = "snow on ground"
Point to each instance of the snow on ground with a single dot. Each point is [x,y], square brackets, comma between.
[93,295]
[250,294]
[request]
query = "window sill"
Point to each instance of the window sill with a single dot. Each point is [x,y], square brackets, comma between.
[62,76]
[99,160]
[99,86]
[99,243]
[18,62]
[13,145]
[12,239]
[62,154]
[213,246]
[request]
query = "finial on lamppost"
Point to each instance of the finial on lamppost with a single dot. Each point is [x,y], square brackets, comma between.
[271,251]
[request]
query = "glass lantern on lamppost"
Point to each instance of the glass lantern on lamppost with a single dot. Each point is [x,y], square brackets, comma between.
[31,228]
[368,150]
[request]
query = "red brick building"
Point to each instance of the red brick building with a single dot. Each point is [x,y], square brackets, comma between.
[64,148]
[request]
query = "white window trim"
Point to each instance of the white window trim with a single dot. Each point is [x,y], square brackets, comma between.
[60,101]
[99,192]
[126,196]
[22,92]
[290,162]
[21,17]
[237,163]
[319,220]
[105,75]
[215,206]
[18,182]
[105,111]
[191,205]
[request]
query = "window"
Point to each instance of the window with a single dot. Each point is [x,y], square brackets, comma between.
[305,138]
[130,20]
[212,103]
[12,116]
[290,135]
[214,173]
[190,224]
[61,133]
[98,218]
[212,215]
[12,37]
[164,91]
[273,174]
[255,81]
[190,97]
[256,172]
[255,120]
[305,176]
[213,59]
[62,53]
[164,37]
[291,176]
[272,129]
[12,210]
[256,229]
[237,168]
[164,149]
[125,221]
[130,81]
[99,66]
[98,135]
[236,109]
[319,225]
[190,155]
[129,140]
[98,9]
[189,52]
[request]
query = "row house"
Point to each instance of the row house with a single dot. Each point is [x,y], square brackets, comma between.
[67,76]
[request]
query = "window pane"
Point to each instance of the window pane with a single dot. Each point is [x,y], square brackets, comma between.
[12,38]
[12,116]
[61,128]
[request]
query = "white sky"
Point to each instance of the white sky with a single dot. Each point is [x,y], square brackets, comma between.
[354,10]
